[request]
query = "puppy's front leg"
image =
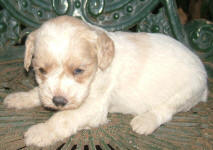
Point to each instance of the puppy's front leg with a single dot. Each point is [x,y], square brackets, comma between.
[23,100]
[66,123]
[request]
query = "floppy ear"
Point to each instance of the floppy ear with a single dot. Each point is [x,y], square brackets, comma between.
[29,50]
[105,52]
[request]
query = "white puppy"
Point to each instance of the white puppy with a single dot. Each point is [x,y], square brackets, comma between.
[87,72]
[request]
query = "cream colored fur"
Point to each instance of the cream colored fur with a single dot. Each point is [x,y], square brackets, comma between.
[151,76]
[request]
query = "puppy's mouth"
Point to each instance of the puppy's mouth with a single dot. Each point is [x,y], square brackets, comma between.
[59,108]
[50,108]
[69,106]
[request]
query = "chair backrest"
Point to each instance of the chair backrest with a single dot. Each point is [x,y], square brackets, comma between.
[20,17]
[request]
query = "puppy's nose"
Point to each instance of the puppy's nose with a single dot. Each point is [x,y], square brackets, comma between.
[59,100]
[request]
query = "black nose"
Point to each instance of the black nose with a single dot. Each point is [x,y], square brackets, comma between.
[59,100]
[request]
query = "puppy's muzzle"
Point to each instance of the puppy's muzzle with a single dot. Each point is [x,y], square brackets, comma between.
[59,101]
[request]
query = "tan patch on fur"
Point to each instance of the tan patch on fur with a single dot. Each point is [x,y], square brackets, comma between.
[142,40]
[46,63]
[105,52]
[89,69]
[83,57]
[29,50]
[40,76]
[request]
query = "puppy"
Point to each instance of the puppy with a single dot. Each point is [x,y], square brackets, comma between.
[86,72]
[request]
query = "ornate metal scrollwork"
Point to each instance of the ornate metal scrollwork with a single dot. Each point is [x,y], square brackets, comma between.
[110,14]
[60,6]
[113,15]
[95,7]
[156,23]
[200,34]
[117,15]
[9,29]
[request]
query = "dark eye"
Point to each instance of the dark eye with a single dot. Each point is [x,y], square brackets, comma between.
[42,71]
[78,71]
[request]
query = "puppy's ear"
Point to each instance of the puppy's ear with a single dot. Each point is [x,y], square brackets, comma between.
[29,50]
[105,52]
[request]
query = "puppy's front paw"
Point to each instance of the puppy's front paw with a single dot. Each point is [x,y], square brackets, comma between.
[16,100]
[40,135]
[21,100]
[144,124]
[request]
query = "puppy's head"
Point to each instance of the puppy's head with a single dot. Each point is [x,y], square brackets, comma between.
[66,54]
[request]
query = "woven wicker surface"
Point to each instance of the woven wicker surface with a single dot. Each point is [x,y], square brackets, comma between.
[187,130]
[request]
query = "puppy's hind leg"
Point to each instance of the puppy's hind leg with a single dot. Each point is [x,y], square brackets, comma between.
[23,100]
[147,122]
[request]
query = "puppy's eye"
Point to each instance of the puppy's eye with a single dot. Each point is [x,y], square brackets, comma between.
[78,71]
[42,70]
